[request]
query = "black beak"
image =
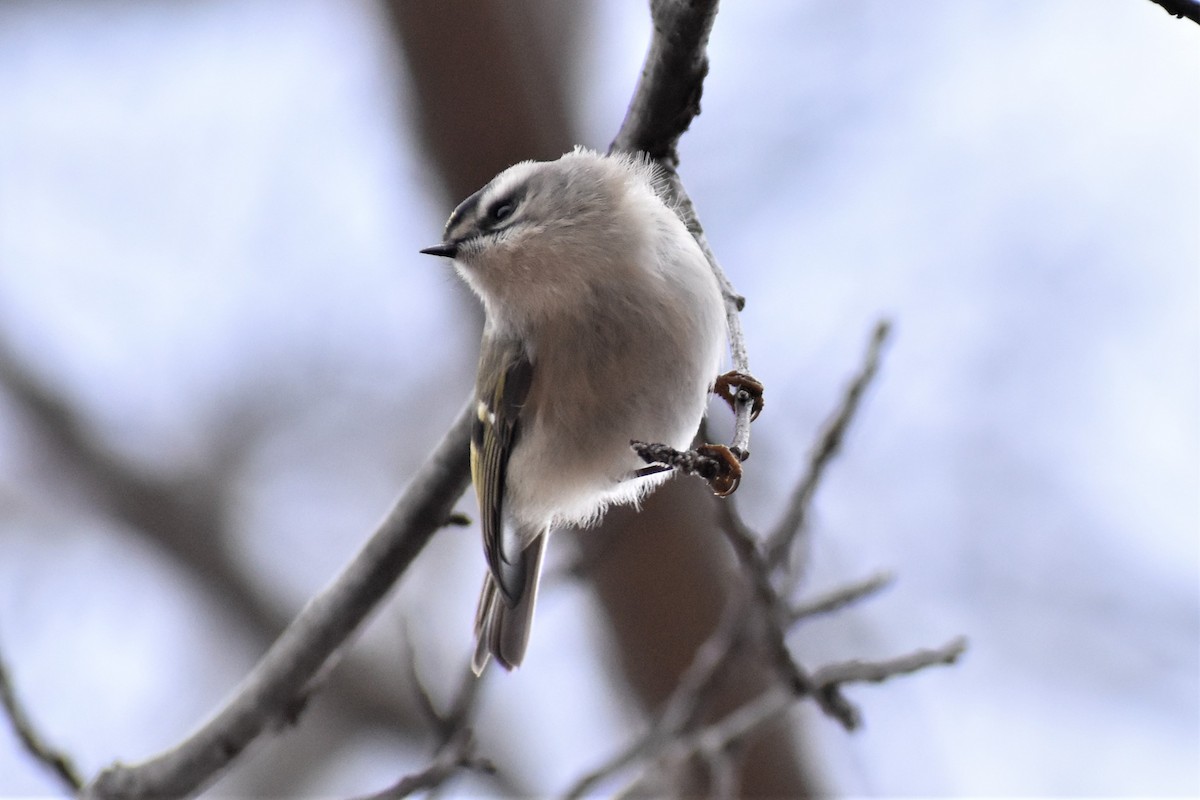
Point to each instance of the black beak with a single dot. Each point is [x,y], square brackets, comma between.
[447,249]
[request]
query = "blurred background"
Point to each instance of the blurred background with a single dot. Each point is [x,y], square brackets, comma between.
[221,357]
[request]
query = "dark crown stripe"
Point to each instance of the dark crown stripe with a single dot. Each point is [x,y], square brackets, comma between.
[466,210]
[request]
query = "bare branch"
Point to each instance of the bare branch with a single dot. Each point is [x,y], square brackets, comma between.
[444,723]
[737,724]
[734,727]
[681,708]
[182,515]
[455,755]
[321,628]
[879,671]
[734,303]
[776,617]
[1181,9]
[673,735]
[663,107]
[50,757]
[841,597]
[298,654]
[780,540]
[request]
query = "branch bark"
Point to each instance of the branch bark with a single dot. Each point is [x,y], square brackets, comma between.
[1180,9]
[721,735]
[456,755]
[667,97]
[181,514]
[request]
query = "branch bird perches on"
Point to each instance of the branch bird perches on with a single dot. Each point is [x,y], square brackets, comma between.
[663,106]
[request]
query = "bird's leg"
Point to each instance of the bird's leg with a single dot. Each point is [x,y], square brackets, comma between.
[714,463]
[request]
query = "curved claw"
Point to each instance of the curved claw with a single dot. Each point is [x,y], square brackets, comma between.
[730,386]
[728,473]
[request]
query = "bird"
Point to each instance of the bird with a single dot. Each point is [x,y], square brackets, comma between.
[603,323]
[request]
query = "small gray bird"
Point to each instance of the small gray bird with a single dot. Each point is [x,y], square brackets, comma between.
[604,324]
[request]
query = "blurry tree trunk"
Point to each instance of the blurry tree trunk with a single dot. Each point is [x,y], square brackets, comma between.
[489,82]
[490,85]
[663,575]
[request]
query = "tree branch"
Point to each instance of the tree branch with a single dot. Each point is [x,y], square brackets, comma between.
[779,541]
[1181,9]
[839,598]
[667,97]
[878,671]
[456,754]
[455,749]
[50,757]
[661,109]
[719,736]
[776,618]
[182,515]
[681,707]
[671,738]
[675,734]
[289,666]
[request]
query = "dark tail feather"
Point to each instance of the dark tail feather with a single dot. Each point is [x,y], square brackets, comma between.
[502,630]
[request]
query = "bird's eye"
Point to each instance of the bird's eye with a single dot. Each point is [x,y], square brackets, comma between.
[501,209]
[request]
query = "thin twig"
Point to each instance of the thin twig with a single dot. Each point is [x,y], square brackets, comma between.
[181,514]
[681,708]
[715,463]
[445,724]
[433,718]
[734,303]
[841,597]
[308,642]
[456,754]
[50,757]
[781,539]
[776,617]
[739,723]
[718,737]
[826,680]
[878,671]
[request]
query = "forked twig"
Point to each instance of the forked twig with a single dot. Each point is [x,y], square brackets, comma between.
[776,617]
[779,542]
[676,733]
[827,680]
